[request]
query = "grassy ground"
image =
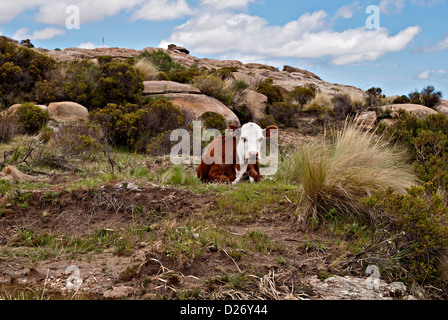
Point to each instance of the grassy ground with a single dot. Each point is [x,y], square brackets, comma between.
[172,238]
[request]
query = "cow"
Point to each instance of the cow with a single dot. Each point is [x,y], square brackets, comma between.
[240,151]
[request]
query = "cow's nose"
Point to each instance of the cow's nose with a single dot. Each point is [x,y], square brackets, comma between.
[253,155]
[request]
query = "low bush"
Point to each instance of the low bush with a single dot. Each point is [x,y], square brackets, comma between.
[161,60]
[401,100]
[271,91]
[133,126]
[214,87]
[284,113]
[302,96]
[343,106]
[31,118]
[213,120]
[20,69]
[8,129]
[79,139]
[91,85]
[418,223]
[428,97]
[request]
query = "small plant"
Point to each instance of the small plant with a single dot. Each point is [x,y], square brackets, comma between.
[213,120]
[284,113]
[343,106]
[402,100]
[419,222]
[271,91]
[8,129]
[302,96]
[214,87]
[31,118]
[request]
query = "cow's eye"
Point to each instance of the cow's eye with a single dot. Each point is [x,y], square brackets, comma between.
[244,140]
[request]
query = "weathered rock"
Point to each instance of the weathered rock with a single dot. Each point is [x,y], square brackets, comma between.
[419,110]
[68,111]
[443,107]
[368,119]
[198,104]
[118,293]
[255,103]
[304,72]
[350,288]
[164,87]
[173,47]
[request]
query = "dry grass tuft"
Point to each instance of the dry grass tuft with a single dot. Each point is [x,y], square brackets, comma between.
[336,173]
[147,68]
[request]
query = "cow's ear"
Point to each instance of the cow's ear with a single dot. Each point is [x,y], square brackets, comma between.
[268,131]
[233,130]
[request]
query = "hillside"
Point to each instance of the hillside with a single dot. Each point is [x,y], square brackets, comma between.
[89,195]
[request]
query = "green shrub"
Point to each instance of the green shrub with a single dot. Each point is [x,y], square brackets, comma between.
[302,95]
[213,120]
[79,139]
[402,100]
[271,91]
[214,87]
[225,73]
[374,96]
[418,221]
[31,118]
[91,85]
[343,106]
[427,140]
[428,97]
[20,69]
[239,85]
[185,75]
[133,126]
[161,60]
[284,113]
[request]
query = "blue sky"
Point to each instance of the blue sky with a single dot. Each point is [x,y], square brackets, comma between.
[329,38]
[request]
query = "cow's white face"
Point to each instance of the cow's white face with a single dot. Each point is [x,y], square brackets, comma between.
[251,141]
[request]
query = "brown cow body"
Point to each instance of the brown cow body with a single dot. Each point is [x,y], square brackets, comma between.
[228,170]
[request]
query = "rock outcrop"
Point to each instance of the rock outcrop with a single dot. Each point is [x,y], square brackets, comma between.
[198,104]
[165,87]
[350,288]
[418,110]
[68,111]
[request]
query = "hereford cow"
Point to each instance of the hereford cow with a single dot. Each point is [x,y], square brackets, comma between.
[231,157]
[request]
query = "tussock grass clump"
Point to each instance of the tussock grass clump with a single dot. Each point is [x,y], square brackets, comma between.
[147,68]
[336,173]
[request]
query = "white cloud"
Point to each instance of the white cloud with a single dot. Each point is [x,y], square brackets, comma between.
[44,34]
[91,45]
[439,46]
[161,10]
[397,6]
[307,37]
[347,12]
[227,4]
[425,75]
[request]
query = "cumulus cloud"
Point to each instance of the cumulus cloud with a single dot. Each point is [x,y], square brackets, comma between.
[397,6]
[44,34]
[439,46]
[307,37]
[425,75]
[91,45]
[161,10]
[54,11]
[227,4]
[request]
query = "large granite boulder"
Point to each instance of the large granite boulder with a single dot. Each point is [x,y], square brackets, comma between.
[68,111]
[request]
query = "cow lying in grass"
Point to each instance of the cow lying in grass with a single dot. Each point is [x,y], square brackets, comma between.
[230,158]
